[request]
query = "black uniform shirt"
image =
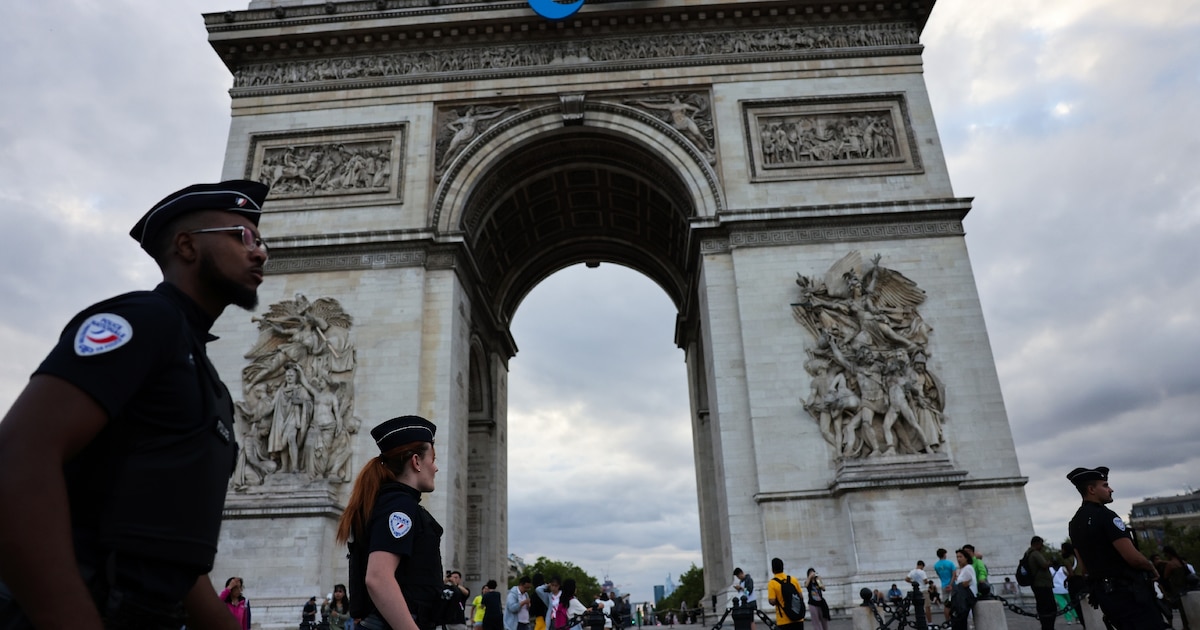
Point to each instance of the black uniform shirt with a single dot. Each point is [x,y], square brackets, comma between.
[152,483]
[1092,531]
[400,526]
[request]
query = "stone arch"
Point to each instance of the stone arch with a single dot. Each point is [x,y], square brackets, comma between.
[512,136]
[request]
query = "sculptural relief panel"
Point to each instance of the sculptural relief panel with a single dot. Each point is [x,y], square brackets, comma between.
[326,167]
[824,137]
[871,392]
[296,417]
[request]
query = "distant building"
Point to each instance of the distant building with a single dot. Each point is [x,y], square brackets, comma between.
[516,566]
[1148,515]
[660,593]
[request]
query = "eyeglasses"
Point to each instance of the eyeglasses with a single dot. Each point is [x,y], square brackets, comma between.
[251,241]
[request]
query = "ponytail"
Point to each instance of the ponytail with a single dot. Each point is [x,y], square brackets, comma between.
[376,472]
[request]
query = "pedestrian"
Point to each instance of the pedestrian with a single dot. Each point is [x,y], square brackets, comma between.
[1119,577]
[122,441]
[569,605]
[1076,583]
[516,606]
[917,576]
[818,608]
[477,609]
[744,585]
[454,602]
[775,597]
[962,598]
[1062,597]
[945,569]
[395,544]
[235,599]
[493,608]
[1042,584]
[337,609]
[538,602]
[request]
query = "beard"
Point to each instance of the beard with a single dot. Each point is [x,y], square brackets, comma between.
[225,287]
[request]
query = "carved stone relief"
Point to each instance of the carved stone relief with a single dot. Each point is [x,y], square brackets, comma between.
[559,56]
[830,137]
[872,393]
[297,414]
[355,164]
[687,113]
[457,127]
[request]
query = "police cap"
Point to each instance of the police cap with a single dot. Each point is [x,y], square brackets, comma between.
[240,196]
[1081,476]
[403,430]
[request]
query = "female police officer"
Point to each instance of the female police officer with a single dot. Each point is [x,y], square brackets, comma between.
[395,544]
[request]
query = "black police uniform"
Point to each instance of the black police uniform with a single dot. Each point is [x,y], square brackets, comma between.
[146,495]
[1124,593]
[400,526]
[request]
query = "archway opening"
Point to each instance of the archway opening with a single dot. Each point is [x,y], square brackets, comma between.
[601,471]
[600,457]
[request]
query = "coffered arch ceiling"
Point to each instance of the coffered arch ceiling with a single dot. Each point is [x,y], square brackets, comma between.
[577,195]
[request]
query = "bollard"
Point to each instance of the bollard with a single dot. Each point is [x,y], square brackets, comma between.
[989,615]
[863,619]
[1190,607]
[743,615]
[918,608]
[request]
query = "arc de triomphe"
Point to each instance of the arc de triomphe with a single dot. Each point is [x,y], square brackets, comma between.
[773,165]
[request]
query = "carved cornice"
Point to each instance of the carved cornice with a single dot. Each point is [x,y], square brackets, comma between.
[840,233]
[289,75]
[834,223]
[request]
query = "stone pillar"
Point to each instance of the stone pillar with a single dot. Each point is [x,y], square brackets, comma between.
[729,413]
[989,615]
[714,530]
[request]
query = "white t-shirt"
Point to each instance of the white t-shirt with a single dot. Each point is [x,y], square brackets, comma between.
[966,575]
[608,606]
[917,576]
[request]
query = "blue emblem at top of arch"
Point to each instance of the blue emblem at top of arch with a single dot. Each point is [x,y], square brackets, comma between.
[554,10]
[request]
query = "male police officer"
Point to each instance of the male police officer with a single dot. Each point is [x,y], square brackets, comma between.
[115,458]
[1119,576]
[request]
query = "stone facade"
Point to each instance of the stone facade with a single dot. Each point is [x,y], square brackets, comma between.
[433,161]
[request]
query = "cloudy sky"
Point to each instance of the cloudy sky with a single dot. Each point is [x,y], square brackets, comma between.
[1073,123]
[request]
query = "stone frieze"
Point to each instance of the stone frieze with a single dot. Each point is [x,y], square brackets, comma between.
[442,64]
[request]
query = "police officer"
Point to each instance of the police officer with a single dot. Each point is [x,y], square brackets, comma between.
[115,458]
[1119,576]
[395,544]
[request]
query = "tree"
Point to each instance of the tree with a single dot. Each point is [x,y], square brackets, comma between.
[586,586]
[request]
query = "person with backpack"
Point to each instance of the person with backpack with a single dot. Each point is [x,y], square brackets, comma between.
[783,592]
[568,606]
[1042,583]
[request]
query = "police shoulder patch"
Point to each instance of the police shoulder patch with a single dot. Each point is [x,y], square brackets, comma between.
[102,332]
[400,524]
[1119,523]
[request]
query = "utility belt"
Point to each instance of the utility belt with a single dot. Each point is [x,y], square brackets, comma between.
[1138,587]
[120,608]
